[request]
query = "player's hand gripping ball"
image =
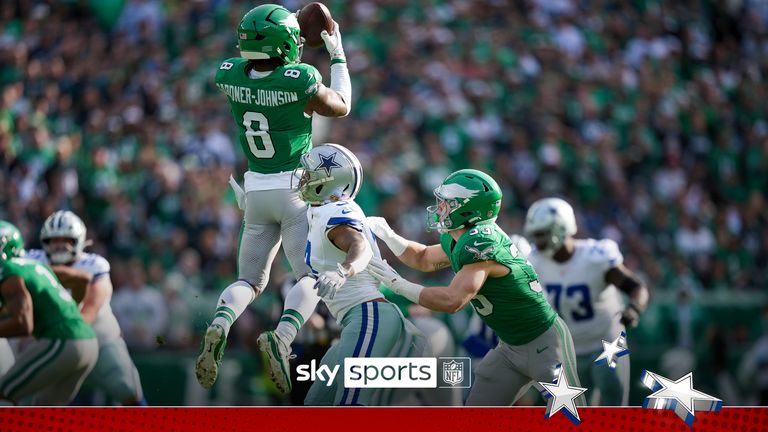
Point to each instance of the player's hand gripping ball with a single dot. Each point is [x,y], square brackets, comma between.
[313,19]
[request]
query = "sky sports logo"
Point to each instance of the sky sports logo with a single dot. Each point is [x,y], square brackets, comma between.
[393,372]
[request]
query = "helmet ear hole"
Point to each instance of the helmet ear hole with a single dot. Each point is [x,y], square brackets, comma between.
[318,189]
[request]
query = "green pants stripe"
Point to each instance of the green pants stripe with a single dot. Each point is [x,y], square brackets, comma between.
[45,361]
[570,357]
[23,372]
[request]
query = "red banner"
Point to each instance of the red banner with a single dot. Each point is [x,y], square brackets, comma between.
[394,419]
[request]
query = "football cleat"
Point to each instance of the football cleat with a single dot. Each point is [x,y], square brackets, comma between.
[209,360]
[278,354]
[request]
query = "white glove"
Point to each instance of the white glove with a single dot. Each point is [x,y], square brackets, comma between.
[239,192]
[388,277]
[333,44]
[330,281]
[381,228]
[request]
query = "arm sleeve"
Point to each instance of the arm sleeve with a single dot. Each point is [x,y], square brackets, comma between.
[445,243]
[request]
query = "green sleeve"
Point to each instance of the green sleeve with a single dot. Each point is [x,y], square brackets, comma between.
[445,243]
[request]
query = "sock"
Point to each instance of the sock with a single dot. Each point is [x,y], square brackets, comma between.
[232,302]
[298,307]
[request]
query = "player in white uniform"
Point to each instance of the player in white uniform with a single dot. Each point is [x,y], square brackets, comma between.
[339,247]
[63,238]
[583,279]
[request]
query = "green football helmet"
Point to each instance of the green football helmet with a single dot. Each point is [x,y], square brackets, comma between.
[270,31]
[466,198]
[11,242]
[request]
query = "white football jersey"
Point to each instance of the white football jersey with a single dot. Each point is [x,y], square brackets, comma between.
[579,293]
[105,324]
[321,255]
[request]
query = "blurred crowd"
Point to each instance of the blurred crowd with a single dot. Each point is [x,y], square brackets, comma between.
[648,116]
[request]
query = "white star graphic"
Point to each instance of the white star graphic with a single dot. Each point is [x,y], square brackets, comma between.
[562,395]
[613,350]
[679,396]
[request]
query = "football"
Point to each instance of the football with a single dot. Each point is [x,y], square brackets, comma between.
[313,19]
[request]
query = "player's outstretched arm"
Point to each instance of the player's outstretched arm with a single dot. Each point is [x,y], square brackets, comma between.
[97,293]
[413,254]
[18,303]
[359,253]
[73,279]
[327,102]
[451,299]
[351,241]
[624,279]
[335,101]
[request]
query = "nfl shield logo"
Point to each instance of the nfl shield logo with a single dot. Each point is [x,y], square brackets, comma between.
[453,372]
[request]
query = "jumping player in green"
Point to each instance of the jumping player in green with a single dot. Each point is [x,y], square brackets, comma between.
[51,370]
[272,97]
[494,277]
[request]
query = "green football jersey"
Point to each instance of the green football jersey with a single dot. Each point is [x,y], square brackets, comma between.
[514,306]
[274,131]
[56,315]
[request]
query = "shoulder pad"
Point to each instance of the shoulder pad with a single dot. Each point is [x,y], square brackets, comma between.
[606,252]
[307,77]
[478,244]
[94,263]
[344,213]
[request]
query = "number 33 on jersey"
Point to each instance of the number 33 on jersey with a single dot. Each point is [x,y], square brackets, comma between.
[273,129]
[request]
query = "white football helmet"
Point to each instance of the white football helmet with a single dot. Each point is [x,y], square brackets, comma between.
[329,171]
[63,224]
[548,223]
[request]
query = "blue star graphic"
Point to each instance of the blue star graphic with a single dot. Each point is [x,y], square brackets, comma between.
[328,163]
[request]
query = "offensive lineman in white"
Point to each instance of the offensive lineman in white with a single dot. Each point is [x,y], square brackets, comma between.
[583,278]
[339,247]
[63,238]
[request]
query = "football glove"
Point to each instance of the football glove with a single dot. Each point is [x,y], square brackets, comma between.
[382,230]
[333,44]
[330,281]
[630,317]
